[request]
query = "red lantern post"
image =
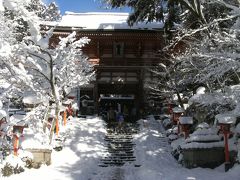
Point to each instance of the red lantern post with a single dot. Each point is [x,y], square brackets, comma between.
[65,118]
[170,106]
[63,115]
[225,121]
[17,133]
[177,113]
[19,124]
[68,105]
[226,130]
[186,123]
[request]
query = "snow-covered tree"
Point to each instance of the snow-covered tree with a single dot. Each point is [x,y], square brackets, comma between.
[30,63]
[37,7]
[213,48]
[58,68]
[207,37]
[49,12]
[166,11]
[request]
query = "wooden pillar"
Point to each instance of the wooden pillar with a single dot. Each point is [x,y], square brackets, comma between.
[57,126]
[65,118]
[96,97]
[141,93]
[15,144]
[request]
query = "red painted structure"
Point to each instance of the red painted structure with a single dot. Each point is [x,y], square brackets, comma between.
[121,57]
[225,129]
[17,133]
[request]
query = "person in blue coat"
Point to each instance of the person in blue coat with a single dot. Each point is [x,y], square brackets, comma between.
[120,120]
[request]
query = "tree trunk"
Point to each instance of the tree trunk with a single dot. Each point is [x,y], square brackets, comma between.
[56,112]
[179,99]
[56,100]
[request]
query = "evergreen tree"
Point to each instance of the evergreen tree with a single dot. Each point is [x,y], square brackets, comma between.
[37,7]
[166,11]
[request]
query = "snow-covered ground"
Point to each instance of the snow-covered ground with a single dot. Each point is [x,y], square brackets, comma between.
[79,157]
[84,148]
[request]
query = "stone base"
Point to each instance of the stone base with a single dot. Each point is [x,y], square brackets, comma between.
[206,158]
[40,156]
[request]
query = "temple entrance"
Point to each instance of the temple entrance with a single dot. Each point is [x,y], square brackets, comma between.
[118,85]
[118,103]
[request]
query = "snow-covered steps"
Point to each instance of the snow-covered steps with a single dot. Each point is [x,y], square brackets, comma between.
[120,146]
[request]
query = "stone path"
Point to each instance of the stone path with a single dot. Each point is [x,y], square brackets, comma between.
[120,146]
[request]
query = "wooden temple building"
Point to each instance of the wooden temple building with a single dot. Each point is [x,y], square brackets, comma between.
[121,54]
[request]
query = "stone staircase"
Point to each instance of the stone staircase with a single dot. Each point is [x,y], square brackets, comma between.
[119,146]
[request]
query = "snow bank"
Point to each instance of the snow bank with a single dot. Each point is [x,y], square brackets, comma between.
[209,131]
[197,145]
[153,154]
[202,125]
[34,140]
[85,145]
[83,148]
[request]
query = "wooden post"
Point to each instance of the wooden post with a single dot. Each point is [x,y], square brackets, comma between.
[185,129]
[169,108]
[15,144]
[185,122]
[225,121]
[65,118]
[227,159]
[57,127]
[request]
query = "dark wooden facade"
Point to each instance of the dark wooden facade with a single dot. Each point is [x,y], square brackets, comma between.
[120,58]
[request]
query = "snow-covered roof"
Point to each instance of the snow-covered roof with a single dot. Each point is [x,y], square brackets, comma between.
[103,20]
[31,100]
[186,120]
[62,108]
[178,110]
[67,102]
[225,118]
[197,145]
[18,119]
[203,138]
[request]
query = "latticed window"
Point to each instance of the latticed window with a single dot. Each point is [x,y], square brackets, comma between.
[118,49]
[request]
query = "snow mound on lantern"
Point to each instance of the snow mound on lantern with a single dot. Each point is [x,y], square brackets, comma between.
[203,138]
[201,90]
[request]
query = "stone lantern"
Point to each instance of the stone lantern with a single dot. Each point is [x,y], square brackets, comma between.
[170,107]
[177,112]
[185,123]
[225,121]
[19,123]
[68,105]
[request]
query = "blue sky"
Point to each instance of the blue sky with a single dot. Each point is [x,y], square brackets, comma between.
[83,6]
